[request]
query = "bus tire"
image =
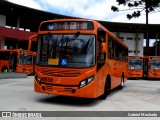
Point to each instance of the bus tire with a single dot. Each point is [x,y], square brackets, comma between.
[120,87]
[4,69]
[106,89]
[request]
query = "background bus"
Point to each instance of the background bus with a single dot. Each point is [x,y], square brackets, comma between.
[16,60]
[152,67]
[135,67]
[81,58]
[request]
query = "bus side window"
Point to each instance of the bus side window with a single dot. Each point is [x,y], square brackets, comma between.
[109,48]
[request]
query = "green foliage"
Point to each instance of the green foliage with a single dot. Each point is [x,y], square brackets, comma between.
[114,8]
[143,5]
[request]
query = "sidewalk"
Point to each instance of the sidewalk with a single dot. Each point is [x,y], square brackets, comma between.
[12,75]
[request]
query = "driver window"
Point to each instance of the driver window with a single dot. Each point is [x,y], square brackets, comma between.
[101,57]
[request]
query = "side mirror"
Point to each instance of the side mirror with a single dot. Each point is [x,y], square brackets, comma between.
[103,47]
[34,54]
[30,41]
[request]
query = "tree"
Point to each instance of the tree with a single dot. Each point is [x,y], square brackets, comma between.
[138,6]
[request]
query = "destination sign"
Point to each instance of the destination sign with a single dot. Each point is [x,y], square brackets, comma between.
[155,58]
[134,57]
[67,25]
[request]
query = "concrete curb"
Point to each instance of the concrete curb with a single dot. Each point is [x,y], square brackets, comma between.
[12,75]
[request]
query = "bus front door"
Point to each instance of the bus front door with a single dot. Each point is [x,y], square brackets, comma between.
[13,62]
[145,68]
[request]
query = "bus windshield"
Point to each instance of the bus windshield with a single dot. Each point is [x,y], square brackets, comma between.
[135,64]
[25,59]
[155,64]
[66,50]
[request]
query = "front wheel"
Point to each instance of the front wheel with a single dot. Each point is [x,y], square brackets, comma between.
[106,91]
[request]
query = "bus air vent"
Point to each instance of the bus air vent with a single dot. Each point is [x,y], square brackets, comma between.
[60,73]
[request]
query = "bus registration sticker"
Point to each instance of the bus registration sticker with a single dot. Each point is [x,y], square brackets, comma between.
[53,61]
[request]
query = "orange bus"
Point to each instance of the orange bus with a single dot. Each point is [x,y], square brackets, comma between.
[79,58]
[16,60]
[135,67]
[152,67]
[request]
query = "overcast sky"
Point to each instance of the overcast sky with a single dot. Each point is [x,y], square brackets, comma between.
[90,9]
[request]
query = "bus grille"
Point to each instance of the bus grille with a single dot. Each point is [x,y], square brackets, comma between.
[49,87]
[60,73]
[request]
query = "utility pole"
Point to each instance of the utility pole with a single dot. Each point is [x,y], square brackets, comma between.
[156,45]
[147,38]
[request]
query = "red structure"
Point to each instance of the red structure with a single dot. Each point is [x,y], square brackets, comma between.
[14,35]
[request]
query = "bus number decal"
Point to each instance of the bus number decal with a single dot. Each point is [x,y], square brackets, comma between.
[47,79]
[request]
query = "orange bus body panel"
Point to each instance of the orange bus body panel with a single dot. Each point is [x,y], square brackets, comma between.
[135,74]
[4,63]
[63,84]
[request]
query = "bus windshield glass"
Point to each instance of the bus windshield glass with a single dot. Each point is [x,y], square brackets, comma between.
[135,64]
[25,59]
[66,50]
[155,64]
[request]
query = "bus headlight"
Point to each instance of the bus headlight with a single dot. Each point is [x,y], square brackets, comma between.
[86,82]
[38,79]
[19,68]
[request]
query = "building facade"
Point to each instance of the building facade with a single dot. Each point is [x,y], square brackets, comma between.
[13,37]
[134,41]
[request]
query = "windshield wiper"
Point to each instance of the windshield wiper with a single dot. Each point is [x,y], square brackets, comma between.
[76,35]
[73,38]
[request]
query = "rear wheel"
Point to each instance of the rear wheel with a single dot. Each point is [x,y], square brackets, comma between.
[4,69]
[120,87]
